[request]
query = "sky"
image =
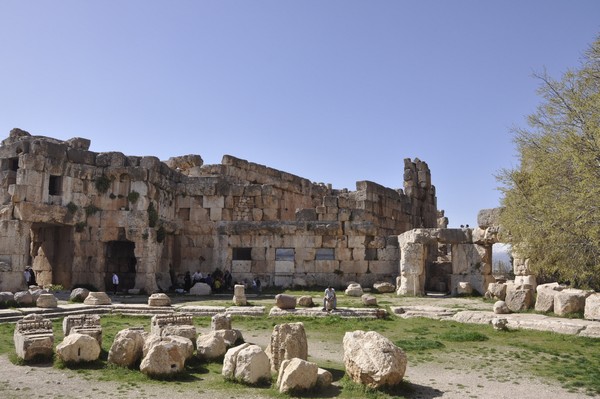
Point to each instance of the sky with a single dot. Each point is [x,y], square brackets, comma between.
[335,91]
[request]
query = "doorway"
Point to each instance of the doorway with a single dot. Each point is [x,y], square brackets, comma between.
[120,259]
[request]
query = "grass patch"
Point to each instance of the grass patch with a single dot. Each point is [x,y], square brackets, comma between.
[458,347]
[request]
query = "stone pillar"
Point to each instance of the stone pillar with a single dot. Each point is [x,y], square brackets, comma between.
[412,268]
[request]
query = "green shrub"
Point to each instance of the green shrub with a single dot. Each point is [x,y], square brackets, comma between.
[71,207]
[102,184]
[160,234]
[91,209]
[133,196]
[152,215]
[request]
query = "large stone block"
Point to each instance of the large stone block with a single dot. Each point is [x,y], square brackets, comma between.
[519,299]
[97,298]
[592,307]
[297,375]
[77,348]
[373,360]
[288,341]
[33,338]
[545,296]
[247,363]
[570,301]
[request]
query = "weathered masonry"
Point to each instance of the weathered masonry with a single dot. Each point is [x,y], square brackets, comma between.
[77,216]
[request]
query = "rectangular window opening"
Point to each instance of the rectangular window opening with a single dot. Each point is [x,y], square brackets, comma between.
[55,185]
[242,254]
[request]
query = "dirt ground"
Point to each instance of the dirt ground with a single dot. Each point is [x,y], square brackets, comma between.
[450,379]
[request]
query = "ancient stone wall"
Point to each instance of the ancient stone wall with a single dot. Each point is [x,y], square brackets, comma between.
[78,216]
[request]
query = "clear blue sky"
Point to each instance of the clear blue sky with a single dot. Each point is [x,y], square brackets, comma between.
[333,91]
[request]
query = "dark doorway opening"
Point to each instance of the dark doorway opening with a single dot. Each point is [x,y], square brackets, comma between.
[438,275]
[120,259]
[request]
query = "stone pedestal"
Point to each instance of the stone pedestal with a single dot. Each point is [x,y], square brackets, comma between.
[239,295]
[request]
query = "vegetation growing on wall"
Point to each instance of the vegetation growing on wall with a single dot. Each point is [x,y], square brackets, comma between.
[152,215]
[102,184]
[133,196]
[552,199]
[71,207]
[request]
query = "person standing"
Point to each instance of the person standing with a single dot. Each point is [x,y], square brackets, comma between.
[27,274]
[115,282]
[187,281]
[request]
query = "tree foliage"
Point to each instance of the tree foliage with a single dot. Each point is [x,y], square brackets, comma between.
[552,199]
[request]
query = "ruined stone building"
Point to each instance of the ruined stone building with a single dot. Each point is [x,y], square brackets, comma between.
[77,216]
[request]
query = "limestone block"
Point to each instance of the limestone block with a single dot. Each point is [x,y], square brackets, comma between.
[521,266]
[247,363]
[231,336]
[388,254]
[569,301]
[127,347]
[410,285]
[354,289]
[489,217]
[468,259]
[464,288]
[288,340]
[159,299]
[210,346]
[200,289]
[297,375]
[79,294]
[47,300]
[183,330]
[220,321]
[97,298]
[526,280]
[183,345]
[372,359]
[500,307]
[324,379]
[496,291]
[368,300]
[412,260]
[284,301]
[354,266]
[33,337]
[239,295]
[23,298]
[519,299]
[163,359]
[76,348]
[7,297]
[306,301]
[384,287]
[545,296]
[592,307]
[500,323]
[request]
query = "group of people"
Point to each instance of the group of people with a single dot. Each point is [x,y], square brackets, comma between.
[217,280]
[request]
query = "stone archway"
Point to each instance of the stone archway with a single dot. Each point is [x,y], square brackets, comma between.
[471,256]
